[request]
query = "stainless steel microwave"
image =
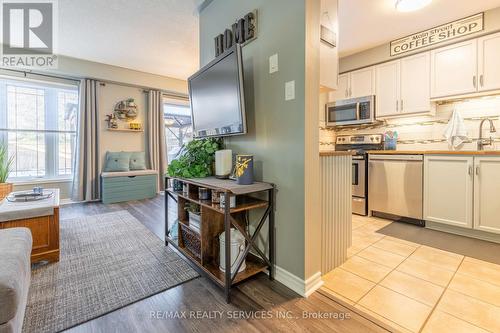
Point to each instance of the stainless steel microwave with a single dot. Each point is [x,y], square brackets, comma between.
[354,111]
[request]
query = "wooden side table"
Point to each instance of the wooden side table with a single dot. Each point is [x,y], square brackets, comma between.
[42,218]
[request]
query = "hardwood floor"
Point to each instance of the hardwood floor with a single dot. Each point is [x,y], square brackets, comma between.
[258,305]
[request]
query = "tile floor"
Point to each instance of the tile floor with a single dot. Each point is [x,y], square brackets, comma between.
[415,288]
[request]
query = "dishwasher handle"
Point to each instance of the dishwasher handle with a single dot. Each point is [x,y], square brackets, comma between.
[415,158]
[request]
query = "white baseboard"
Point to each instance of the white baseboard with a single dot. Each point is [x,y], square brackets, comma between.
[472,233]
[302,287]
[313,283]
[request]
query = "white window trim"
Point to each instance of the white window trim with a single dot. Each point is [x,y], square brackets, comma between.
[51,164]
[35,181]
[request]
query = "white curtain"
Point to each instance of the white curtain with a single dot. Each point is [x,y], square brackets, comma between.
[86,184]
[155,130]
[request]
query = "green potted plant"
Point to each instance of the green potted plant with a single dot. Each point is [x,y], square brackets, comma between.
[5,165]
[197,159]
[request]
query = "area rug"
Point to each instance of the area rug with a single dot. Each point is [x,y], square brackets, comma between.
[107,261]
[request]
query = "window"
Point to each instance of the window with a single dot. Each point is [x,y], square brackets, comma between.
[178,127]
[38,124]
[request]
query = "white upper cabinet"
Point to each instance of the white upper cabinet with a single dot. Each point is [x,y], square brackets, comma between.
[342,91]
[355,84]
[486,193]
[387,87]
[415,84]
[454,69]
[489,62]
[448,190]
[361,83]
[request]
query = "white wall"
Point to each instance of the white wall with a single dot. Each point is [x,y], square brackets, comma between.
[382,53]
[109,95]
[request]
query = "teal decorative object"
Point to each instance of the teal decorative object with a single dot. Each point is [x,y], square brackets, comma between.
[117,161]
[120,189]
[138,161]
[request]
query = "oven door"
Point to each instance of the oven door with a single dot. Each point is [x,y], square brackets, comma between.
[359,176]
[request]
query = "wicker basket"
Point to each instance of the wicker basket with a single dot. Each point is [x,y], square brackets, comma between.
[191,240]
[5,189]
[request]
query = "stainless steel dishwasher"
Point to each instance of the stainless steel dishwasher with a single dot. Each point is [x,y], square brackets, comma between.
[395,185]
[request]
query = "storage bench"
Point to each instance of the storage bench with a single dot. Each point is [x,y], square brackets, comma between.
[128,185]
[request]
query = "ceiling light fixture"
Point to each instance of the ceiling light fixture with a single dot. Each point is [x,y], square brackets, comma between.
[411,5]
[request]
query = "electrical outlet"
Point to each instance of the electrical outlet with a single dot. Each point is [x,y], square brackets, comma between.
[289,90]
[273,63]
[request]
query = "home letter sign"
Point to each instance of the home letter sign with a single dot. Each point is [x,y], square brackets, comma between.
[445,32]
[241,32]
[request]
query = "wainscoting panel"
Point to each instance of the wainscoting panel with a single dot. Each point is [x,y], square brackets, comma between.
[336,208]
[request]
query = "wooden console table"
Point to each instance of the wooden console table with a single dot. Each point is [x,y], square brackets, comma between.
[215,220]
[42,218]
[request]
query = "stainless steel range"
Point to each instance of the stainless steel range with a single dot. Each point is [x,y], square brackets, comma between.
[360,144]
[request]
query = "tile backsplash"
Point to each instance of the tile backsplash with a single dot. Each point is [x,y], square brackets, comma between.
[426,132]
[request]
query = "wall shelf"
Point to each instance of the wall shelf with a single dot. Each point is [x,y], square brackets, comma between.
[124,130]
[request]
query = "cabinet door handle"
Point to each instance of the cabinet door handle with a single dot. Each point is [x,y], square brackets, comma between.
[481,80]
[402,107]
[350,92]
[346,92]
[470,170]
[477,170]
[397,105]
[474,81]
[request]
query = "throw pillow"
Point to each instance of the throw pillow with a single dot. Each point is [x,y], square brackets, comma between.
[117,161]
[138,161]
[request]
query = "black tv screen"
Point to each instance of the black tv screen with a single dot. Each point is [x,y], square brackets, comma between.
[217,96]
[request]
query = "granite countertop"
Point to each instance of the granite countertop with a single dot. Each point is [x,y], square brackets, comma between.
[434,152]
[335,153]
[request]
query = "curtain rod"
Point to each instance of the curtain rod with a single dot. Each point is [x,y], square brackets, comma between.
[75,78]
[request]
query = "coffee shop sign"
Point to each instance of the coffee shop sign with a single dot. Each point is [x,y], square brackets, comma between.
[445,32]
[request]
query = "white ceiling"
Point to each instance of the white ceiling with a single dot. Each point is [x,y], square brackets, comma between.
[367,23]
[155,36]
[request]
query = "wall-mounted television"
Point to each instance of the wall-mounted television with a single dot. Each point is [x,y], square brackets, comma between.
[217,96]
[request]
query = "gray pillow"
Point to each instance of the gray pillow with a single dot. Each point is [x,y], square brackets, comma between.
[117,161]
[138,161]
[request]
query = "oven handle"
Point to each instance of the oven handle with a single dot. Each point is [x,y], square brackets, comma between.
[357,111]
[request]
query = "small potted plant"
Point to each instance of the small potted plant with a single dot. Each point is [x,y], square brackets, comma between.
[5,165]
[194,215]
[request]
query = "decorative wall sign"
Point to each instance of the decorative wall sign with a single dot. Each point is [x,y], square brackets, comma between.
[442,33]
[242,31]
[126,110]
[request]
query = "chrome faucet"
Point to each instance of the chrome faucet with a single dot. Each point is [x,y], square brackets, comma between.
[485,142]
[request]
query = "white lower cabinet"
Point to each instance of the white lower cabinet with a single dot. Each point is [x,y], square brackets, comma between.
[448,190]
[486,194]
[462,191]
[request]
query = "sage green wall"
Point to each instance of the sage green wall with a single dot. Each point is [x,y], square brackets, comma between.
[276,126]
[382,53]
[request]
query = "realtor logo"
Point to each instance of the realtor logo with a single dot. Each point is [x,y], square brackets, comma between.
[29,33]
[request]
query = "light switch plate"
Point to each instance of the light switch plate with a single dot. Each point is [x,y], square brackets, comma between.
[289,90]
[273,63]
